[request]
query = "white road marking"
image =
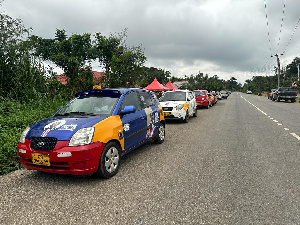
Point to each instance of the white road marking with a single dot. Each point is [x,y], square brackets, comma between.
[296,136]
[279,124]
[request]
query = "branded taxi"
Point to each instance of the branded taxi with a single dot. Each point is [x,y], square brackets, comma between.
[91,132]
[179,104]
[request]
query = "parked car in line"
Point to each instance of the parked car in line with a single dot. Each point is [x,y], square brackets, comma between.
[214,93]
[179,104]
[91,132]
[212,98]
[271,94]
[202,98]
[224,94]
[248,92]
[218,94]
[285,93]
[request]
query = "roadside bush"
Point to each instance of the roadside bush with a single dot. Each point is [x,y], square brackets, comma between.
[14,118]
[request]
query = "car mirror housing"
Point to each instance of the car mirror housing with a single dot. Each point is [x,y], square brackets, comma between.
[128,109]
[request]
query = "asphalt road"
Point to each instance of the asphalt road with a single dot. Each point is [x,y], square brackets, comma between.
[236,163]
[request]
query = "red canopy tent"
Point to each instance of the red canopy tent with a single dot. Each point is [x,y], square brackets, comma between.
[156,86]
[171,86]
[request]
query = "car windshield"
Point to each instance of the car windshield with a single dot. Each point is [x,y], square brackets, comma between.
[199,93]
[173,96]
[89,106]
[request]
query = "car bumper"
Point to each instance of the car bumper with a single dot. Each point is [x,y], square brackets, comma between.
[202,103]
[84,159]
[175,114]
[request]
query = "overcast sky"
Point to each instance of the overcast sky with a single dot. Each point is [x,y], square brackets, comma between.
[228,38]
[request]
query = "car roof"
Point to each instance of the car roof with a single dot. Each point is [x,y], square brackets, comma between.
[200,90]
[113,92]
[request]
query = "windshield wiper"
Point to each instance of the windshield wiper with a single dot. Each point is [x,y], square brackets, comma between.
[76,113]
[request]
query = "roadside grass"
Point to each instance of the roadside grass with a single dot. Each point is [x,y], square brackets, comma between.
[14,118]
[298,99]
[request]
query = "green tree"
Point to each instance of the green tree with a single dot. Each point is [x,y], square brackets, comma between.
[72,54]
[21,75]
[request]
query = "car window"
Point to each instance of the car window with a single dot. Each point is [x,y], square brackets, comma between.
[132,99]
[147,99]
[190,96]
[199,93]
[174,96]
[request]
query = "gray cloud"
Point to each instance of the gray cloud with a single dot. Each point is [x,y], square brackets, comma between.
[223,37]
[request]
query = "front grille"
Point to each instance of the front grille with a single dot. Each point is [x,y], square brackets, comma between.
[43,143]
[167,108]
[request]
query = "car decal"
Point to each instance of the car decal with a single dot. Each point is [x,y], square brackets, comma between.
[52,126]
[126,127]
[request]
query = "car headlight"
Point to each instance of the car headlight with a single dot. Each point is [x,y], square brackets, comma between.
[23,135]
[82,137]
[179,107]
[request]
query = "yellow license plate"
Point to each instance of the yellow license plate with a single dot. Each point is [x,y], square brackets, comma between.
[167,114]
[40,159]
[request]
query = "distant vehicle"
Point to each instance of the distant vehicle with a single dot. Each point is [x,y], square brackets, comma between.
[285,93]
[248,92]
[90,133]
[202,98]
[179,104]
[218,95]
[271,93]
[224,94]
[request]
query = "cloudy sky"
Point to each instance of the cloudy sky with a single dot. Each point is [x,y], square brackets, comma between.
[228,38]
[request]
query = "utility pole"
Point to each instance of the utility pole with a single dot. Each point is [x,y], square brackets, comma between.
[298,71]
[278,69]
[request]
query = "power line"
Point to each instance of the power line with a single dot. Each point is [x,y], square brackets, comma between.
[268,26]
[281,26]
[291,36]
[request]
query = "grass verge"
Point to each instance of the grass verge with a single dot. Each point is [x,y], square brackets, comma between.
[14,118]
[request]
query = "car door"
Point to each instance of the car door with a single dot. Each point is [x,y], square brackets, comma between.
[192,103]
[152,112]
[134,124]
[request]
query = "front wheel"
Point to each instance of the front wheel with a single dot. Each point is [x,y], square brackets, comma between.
[109,162]
[187,116]
[160,138]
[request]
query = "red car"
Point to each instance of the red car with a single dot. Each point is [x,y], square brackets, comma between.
[202,98]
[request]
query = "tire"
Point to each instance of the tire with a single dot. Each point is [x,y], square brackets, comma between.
[160,138]
[293,100]
[195,112]
[207,106]
[109,162]
[187,116]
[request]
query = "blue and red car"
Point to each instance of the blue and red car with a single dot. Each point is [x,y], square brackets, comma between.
[91,132]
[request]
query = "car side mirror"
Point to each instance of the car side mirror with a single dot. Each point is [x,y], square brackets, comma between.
[128,109]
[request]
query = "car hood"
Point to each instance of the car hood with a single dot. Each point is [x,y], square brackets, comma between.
[171,103]
[61,128]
